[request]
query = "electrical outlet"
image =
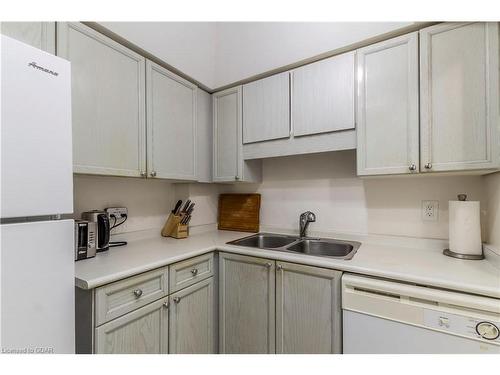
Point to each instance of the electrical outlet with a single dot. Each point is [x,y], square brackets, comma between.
[117,212]
[430,210]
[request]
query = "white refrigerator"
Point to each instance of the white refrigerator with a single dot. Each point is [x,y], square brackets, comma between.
[36,243]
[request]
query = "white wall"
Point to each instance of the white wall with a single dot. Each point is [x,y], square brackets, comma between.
[187,46]
[327,185]
[324,183]
[244,49]
[148,201]
[206,199]
[220,53]
[492,185]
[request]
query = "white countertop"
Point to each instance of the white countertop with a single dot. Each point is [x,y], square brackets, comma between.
[410,260]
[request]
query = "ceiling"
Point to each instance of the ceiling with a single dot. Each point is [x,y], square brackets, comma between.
[220,53]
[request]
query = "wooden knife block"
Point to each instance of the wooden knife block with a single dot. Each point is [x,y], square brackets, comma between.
[174,228]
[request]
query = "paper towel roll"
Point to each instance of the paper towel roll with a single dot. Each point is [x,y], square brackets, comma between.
[465,227]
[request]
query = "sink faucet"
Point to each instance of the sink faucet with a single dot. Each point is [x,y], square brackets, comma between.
[306,218]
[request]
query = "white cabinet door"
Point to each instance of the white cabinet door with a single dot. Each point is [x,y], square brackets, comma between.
[387,107]
[459,122]
[108,85]
[41,35]
[227,135]
[192,319]
[171,124]
[246,304]
[323,96]
[266,109]
[228,163]
[204,134]
[308,309]
[143,331]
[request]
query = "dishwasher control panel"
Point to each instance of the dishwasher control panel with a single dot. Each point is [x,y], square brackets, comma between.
[463,325]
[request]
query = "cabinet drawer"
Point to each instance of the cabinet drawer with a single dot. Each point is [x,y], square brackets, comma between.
[121,297]
[191,271]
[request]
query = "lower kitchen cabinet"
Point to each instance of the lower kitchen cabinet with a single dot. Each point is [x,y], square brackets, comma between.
[246,304]
[308,309]
[137,315]
[192,320]
[143,331]
[264,306]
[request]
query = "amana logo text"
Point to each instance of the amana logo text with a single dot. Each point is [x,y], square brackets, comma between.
[34,65]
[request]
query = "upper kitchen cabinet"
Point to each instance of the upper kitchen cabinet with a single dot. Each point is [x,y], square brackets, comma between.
[387,107]
[41,35]
[227,121]
[459,97]
[323,96]
[319,98]
[228,163]
[204,135]
[266,109]
[171,124]
[108,100]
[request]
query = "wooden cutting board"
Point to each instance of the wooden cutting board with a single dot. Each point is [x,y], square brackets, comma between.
[239,212]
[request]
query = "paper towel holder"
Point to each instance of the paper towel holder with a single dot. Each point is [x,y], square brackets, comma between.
[448,252]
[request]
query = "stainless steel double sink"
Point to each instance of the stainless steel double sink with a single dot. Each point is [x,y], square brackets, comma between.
[323,247]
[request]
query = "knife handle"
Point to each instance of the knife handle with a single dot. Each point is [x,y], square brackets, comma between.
[178,205]
[186,205]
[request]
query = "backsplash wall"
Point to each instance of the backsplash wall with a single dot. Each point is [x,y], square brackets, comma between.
[492,183]
[324,183]
[327,185]
[206,199]
[148,201]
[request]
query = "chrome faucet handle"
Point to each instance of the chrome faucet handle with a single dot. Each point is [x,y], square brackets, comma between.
[306,218]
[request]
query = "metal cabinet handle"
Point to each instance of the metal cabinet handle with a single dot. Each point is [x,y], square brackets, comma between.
[194,271]
[137,293]
[412,167]
[279,267]
[269,264]
[166,305]
[177,299]
[428,166]
[143,174]
[153,173]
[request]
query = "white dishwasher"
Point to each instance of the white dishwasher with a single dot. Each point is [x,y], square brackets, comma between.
[388,317]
